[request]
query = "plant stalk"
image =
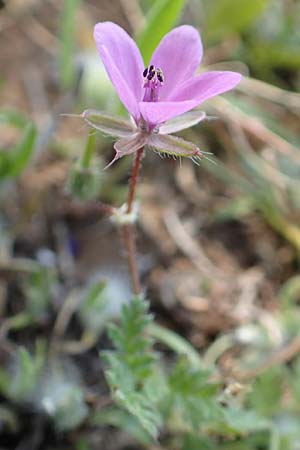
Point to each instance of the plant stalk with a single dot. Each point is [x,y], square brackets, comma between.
[134,179]
[128,230]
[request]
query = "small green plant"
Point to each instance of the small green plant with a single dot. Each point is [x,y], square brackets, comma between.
[85,178]
[181,400]
[26,373]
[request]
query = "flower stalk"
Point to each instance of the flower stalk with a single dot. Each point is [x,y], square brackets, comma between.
[128,235]
[134,179]
[128,229]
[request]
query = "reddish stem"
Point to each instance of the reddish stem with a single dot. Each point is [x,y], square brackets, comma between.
[128,230]
[129,244]
[134,179]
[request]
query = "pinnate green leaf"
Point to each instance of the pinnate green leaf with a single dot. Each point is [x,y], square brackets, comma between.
[130,366]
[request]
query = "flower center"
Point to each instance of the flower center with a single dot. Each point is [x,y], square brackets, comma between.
[153,79]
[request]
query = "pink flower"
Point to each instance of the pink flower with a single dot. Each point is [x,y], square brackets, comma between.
[165,89]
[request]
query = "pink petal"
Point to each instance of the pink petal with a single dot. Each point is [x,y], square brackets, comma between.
[178,55]
[205,86]
[155,113]
[123,63]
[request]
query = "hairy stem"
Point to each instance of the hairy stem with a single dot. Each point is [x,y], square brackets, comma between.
[128,230]
[129,244]
[134,179]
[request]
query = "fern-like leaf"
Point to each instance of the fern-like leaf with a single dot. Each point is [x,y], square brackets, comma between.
[130,365]
[192,397]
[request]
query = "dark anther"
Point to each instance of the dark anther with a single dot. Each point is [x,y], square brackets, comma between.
[159,75]
[152,72]
[151,75]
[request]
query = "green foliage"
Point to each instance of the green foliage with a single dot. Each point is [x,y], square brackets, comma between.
[275,40]
[130,366]
[85,178]
[84,184]
[267,32]
[160,19]
[266,393]
[92,307]
[225,16]
[67,36]
[239,421]
[23,150]
[290,292]
[235,209]
[13,118]
[291,377]
[274,402]
[89,151]
[38,289]
[133,346]
[183,399]
[14,160]
[50,389]
[175,342]
[252,177]
[194,442]
[26,374]
[123,420]
[192,398]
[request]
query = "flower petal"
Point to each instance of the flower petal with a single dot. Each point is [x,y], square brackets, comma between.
[186,120]
[178,55]
[173,145]
[123,63]
[155,113]
[128,145]
[205,86]
[108,124]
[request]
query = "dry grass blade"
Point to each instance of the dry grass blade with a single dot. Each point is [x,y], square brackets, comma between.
[267,91]
[189,246]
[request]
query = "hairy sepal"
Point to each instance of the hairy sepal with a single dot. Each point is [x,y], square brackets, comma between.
[174,146]
[108,124]
[128,145]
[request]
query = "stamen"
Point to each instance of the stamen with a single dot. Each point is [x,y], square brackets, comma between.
[153,79]
[160,75]
[151,75]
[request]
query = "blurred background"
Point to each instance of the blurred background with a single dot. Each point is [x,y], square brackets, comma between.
[218,245]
